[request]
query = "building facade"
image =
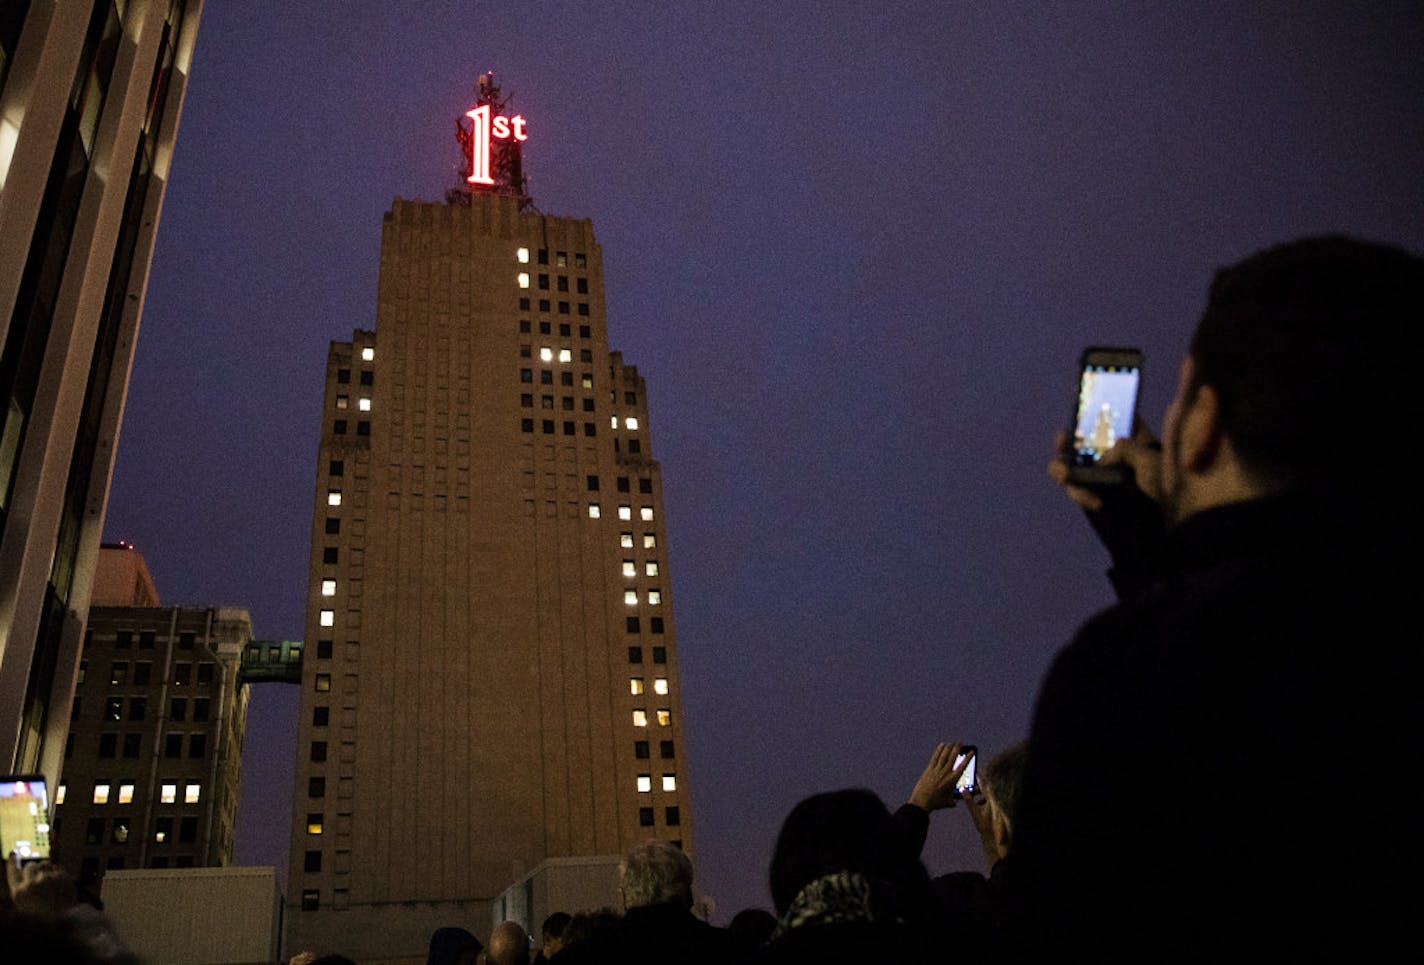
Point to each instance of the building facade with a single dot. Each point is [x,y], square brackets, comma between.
[90,94]
[490,678]
[154,752]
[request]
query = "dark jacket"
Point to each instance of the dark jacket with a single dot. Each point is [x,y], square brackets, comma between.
[1191,748]
[654,934]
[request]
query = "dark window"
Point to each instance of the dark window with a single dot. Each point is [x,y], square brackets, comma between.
[524,326]
[583,308]
[178,708]
[163,830]
[548,427]
[333,526]
[526,425]
[635,654]
[363,427]
[645,817]
[546,328]
[546,401]
[526,401]
[123,639]
[116,863]
[563,309]
[593,484]
[318,751]
[657,623]
[138,708]
[645,486]
[634,446]
[197,745]
[544,282]
[526,375]
[343,376]
[323,649]
[200,710]
[187,830]
[119,673]
[564,328]
[589,430]
[543,256]
[526,351]
[94,831]
[580,260]
[585,355]
[368,378]
[582,286]
[108,745]
[566,378]
[69,746]
[205,674]
[320,716]
[339,427]
[173,745]
[659,653]
[640,750]
[633,626]
[568,428]
[114,708]
[337,468]
[158,861]
[316,787]
[567,402]
[74,709]
[131,745]
[143,672]
[311,861]
[329,554]
[183,861]
[543,304]
[546,377]
[83,670]
[630,398]
[524,304]
[187,640]
[623,484]
[673,816]
[146,639]
[665,748]
[588,405]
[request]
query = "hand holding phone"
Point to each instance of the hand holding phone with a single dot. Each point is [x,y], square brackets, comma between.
[24,817]
[1108,383]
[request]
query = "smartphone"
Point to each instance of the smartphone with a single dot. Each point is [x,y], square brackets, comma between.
[967,782]
[1108,381]
[24,817]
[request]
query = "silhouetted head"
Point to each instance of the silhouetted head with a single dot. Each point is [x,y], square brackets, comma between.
[452,946]
[751,928]
[508,945]
[656,873]
[844,831]
[552,932]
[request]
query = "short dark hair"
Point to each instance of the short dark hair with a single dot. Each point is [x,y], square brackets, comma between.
[1295,340]
[555,924]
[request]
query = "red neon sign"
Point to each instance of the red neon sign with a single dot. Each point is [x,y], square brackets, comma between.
[482,129]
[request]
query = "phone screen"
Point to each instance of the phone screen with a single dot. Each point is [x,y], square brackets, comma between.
[1107,397]
[24,817]
[966,783]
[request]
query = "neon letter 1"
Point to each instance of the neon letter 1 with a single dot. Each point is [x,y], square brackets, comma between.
[480,145]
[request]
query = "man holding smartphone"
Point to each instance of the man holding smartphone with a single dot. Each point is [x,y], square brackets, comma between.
[1187,743]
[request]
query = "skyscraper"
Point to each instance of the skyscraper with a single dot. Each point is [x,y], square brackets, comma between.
[90,94]
[491,676]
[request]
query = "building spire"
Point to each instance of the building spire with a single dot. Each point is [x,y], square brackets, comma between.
[491,147]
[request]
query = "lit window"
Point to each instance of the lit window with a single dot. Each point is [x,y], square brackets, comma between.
[167,793]
[660,685]
[631,422]
[328,618]
[630,597]
[328,588]
[521,255]
[565,355]
[669,782]
[314,824]
[333,497]
[635,685]
[664,717]
[625,540]
[650,568]
[101,794]
[546,354]
[640,718]
[587,381]
[342,401]
[630,569]
[655,597]
[367,354]
[364,404]
[625,512]
[614,421]
[646,514]
[650,541]
[126,793]
[191,793]
[645,783]
[59,795]
[594,512]
[524,279]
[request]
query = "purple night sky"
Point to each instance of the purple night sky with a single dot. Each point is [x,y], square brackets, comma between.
[854,248]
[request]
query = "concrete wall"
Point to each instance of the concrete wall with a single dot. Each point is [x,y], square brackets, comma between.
[197,916]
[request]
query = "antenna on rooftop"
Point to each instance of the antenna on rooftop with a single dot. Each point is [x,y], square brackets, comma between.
[491,147]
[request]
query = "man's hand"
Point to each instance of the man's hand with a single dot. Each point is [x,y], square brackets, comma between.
[981,813]
[935,788]
[40,888]
[1142,454]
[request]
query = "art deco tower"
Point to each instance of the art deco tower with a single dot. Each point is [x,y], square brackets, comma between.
[491,675]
